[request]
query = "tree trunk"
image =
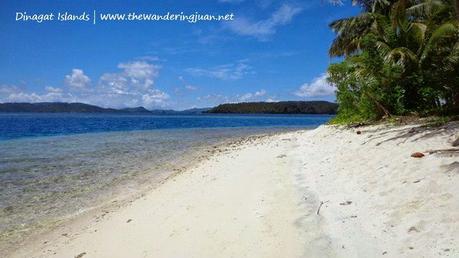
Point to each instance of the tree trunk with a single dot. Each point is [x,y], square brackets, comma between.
[379,105]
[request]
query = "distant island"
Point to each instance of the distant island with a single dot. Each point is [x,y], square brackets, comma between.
[283,107]
[62,107]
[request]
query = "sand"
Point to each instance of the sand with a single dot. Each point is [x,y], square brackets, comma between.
[261,198]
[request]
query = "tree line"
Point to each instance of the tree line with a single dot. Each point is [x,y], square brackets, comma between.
[282,107]
[398,58]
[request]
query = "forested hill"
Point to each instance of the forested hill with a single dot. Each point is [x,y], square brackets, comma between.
[283,107]
[59,107]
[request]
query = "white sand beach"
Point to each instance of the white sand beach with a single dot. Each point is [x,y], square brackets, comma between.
[328,192]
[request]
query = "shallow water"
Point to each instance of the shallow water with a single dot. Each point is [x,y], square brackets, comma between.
[48,178]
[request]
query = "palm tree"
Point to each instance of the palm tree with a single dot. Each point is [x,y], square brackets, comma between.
[409,34]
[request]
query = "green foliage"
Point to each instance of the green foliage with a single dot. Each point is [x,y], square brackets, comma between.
[282,107]
[400,57]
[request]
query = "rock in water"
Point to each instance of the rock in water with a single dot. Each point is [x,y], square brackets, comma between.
[417,155]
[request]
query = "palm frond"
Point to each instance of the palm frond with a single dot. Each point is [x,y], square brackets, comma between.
[424,8]
[401,56]
[446,30]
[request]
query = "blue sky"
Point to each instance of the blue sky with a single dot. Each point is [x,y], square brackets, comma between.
[271,51]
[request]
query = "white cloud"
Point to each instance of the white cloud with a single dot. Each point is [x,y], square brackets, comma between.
[246,97]
[223,72]
[131,86]
[114,83]
[53,90]
[252,96]
[264,28]
[77,79]
[260,93]
[15,94]
[319,87]
[139,69]
[154,97]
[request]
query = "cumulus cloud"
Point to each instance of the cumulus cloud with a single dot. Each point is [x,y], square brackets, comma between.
[77,79]
[53,90]
[262,29]
[140,72]
[252,96]
[233,71]
[132,85]
[10,93]
[319,87]
[154,97]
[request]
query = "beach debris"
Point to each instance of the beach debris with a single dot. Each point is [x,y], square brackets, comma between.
[81,255]
[413,229]
[443,150]
[346,203]
[281,156]
[129,220]
[417,155]
[416,181]
[355,125]
[359,132]
[456,142]
[412,130]
[384,253]
[320,206]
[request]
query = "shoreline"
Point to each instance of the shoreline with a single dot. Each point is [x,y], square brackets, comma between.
[119,200]
[327,192]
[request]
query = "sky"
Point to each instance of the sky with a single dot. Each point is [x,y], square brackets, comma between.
[270,51]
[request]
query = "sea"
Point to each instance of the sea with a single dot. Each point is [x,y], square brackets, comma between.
[55,166]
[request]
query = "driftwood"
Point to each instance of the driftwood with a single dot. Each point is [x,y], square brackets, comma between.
[320,206]
[443,150]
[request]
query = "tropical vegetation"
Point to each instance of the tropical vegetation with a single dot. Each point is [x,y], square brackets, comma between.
[397,57]
[282,107]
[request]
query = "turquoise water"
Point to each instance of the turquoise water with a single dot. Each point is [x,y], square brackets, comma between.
[53,166]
